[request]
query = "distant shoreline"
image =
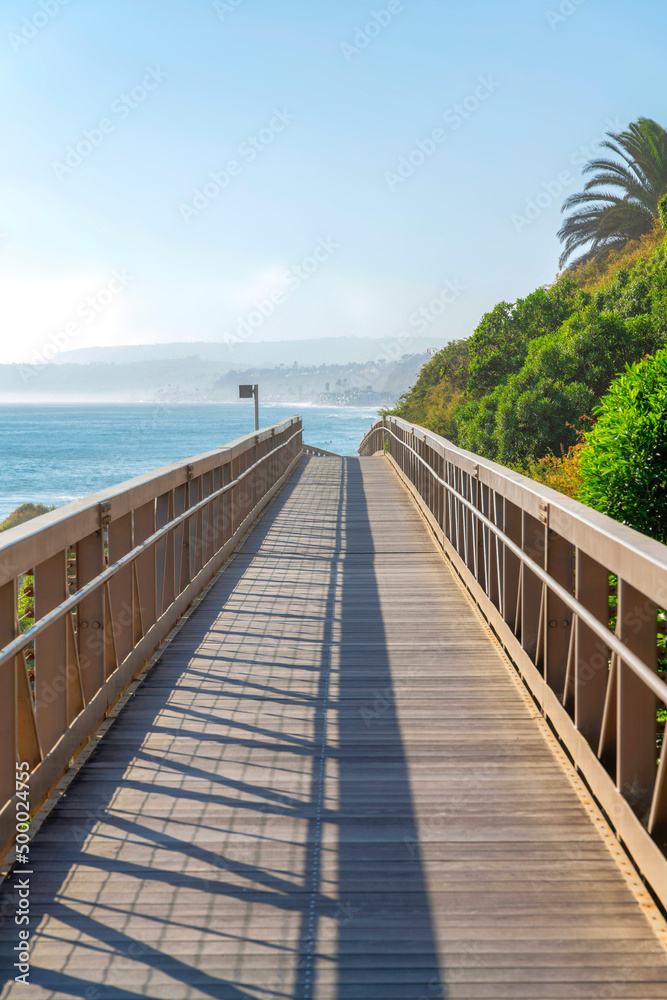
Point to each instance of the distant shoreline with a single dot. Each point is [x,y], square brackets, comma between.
[78,401]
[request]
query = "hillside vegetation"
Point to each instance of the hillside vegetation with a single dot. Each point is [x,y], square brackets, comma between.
[524,388]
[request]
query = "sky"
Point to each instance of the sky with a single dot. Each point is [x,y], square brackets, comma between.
[249,170]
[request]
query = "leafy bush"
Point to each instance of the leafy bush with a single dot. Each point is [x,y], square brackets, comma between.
[624,464]
[563,379]
[543,407]
[476,424]
[499,345]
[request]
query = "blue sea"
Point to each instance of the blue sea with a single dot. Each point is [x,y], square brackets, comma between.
[54,453]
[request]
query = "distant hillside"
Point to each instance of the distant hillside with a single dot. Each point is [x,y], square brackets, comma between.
[346,385]
[266,354]
[193,379]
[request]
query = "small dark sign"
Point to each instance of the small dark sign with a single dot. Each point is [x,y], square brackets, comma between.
[245,392]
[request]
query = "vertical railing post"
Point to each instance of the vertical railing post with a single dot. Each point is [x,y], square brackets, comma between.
[486,547]
[227,504]
[449,520]
[216,512]
[470,493]
[90,613]
[511,564]
[192,534]
[120,587]
[51,652]
[164,554]
[591,654]
[534,545]
[498,518]
[438,467]
[558,617]
[144,526]
[207,518]
[181,540]
[636,727]
[9,629]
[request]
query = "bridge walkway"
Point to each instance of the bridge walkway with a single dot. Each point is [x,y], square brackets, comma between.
[333,786]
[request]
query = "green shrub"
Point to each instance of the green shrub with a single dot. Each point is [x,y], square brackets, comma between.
[564,377]
[476,425]
[499,345]
[24,513]
[624,464]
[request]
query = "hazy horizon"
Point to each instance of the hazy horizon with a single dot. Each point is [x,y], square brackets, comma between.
[259,172]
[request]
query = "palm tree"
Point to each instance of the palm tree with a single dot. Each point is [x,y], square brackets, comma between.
[620,202]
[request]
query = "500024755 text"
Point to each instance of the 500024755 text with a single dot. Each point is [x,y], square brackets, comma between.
[22,884]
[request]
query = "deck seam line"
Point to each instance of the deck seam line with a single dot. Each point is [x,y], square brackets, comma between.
[317,850]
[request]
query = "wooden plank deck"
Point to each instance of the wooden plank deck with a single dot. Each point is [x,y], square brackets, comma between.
[332,787]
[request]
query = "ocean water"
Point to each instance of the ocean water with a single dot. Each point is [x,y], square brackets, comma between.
[55,453]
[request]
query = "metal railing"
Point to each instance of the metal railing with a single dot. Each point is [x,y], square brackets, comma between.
[576,599]
[102,582]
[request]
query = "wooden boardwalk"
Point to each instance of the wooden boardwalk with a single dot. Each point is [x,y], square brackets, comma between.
[332,787]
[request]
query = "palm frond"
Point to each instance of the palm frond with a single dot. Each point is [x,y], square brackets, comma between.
[620,199]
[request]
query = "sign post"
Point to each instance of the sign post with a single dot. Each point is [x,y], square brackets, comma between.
[247,392]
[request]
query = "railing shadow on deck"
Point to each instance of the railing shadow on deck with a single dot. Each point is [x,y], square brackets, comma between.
[366,805]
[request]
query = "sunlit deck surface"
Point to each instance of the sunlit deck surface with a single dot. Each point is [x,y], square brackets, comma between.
[332,786]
